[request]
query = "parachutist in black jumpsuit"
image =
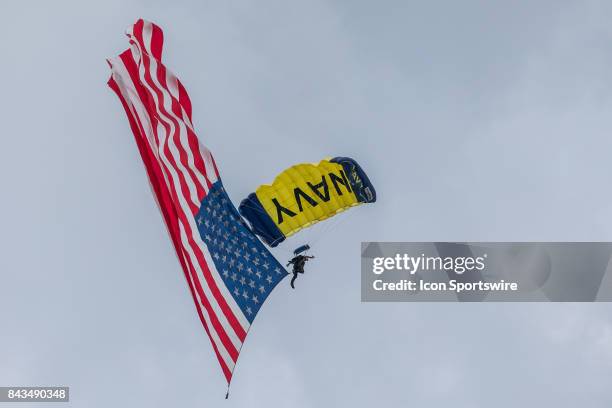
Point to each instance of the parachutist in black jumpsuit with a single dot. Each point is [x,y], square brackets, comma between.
[298,262]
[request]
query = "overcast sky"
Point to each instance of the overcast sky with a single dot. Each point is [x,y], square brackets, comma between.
[476,120]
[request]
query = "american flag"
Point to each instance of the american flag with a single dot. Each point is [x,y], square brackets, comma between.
[229,271]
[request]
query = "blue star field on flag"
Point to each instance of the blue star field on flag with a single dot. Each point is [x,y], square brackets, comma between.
[247,268]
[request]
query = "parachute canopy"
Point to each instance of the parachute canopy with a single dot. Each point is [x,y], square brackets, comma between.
[305,194]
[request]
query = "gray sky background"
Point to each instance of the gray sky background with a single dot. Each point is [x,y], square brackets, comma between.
[476,120]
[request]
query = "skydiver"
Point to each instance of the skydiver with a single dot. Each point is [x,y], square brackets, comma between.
[298,263]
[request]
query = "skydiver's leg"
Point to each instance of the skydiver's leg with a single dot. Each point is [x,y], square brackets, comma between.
[293,280]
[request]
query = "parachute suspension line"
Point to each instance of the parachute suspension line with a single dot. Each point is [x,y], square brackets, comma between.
[317,232]
[313,235]
[331,224]
[282,249]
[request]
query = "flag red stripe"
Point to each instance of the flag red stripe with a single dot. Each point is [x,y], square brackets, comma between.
[157,41]
[184,100]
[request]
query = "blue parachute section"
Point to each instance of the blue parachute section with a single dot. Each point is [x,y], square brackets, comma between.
[301,249]
[261,223]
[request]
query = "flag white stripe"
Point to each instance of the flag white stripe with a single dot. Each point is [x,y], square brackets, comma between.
[210,169]
[147,32]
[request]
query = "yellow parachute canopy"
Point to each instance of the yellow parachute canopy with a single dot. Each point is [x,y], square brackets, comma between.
[305,194]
